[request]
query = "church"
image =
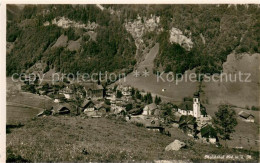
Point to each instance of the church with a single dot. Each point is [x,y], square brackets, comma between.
[191,107]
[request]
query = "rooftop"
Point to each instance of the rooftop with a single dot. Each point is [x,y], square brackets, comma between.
[92,86]
[244,114]
[186,105]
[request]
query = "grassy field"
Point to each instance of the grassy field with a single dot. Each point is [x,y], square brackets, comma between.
[22,106]
[237,93]
[173,92]
[76,138]
[20,114]
[246,134]
[240,94]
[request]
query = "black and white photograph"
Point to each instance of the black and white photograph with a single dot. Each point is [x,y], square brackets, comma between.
[112,82]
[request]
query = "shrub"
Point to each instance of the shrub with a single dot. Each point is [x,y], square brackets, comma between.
[255,108]
[11,157]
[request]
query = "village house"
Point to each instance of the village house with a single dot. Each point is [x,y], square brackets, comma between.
[154,125]
[151,123]
[126,90]
[88,105]
[110,95]
[208,134]
[117,108]
[93,90]
[67,92]
[61,109]
[93,108]
[101,109]
[246,116]
[58,98]
[149,109]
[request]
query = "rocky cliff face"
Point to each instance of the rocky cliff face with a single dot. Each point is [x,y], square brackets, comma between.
[176,36]
[137,28]
[67,23]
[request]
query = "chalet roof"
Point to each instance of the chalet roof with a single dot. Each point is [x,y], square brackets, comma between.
[151,106]
[186,105]
[59,96]
[187,119]
[61,107]
[136,111]
[152,123]
[92,86]
[208,131]
[100,105]
[86,102]
[244,114]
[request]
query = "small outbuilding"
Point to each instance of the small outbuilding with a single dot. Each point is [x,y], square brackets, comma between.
[247,117]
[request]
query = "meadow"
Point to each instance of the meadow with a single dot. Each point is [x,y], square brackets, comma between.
[65,138]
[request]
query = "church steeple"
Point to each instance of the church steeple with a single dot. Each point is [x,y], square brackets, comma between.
[196,106]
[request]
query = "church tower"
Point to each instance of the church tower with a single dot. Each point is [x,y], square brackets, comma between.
[196,106]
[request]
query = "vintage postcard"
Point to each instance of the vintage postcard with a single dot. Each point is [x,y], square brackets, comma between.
[105,81]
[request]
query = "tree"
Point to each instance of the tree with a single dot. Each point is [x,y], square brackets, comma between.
[118,94]
[167,114]
[157,100]
[133,92]
[138,95]
[186,122]
[225,121]
[148,98]
[129,107]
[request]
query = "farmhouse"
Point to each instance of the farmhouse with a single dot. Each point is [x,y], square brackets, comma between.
[110,96]
[151,123]
[209,134]
[101,109]
[118,108]
[67,92]
[126,90]
[187,123]
[154,125]
[88,105]
[93,108]
[246,116]
[61,109]
[58,98]
[93,90]
[149,109]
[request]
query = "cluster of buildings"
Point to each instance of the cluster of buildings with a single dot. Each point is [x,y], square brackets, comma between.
[99,102]
[195,109]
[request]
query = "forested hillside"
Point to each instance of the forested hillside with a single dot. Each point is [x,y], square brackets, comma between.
[215,32]
[112,49]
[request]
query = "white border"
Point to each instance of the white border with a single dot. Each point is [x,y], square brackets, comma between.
[3,83]
[130,2]
[3,40]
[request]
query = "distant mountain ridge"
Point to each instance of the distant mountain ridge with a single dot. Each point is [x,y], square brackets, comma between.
[189,36]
